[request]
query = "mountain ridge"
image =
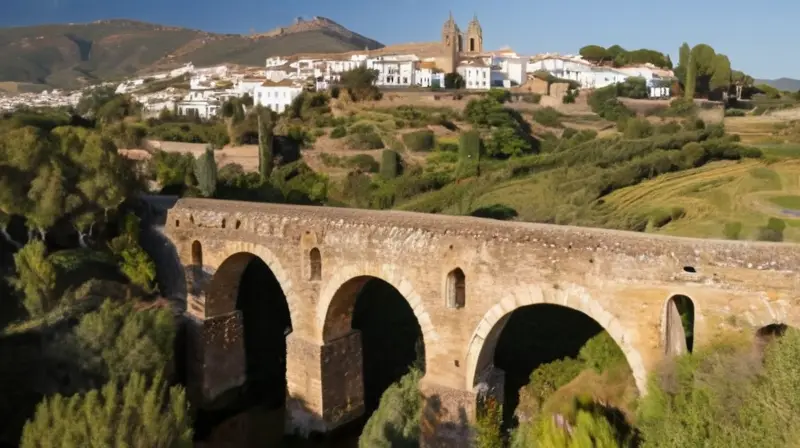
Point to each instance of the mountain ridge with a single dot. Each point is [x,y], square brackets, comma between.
[75,54]
[784,83]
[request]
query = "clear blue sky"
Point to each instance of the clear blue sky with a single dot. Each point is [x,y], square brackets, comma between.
[763,46]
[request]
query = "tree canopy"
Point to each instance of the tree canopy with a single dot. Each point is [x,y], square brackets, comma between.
[619,56]
[137,413]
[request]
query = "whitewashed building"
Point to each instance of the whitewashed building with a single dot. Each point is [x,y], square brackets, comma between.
[276,95]
[393,72]
[476,73]
[276,61]
[576,69]
[247,86]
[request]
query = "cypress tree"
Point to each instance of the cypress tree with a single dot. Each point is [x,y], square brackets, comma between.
[469,154]
[390,162]
[205,170]
[265,145]
[690,82]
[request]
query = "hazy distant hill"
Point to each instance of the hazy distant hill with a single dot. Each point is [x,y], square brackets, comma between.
[70,55]
[792,85]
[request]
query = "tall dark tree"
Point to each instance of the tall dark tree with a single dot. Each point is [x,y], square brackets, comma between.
[690,83]
[205,170]
[266,153]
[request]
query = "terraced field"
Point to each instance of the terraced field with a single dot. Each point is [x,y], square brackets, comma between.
[720,194]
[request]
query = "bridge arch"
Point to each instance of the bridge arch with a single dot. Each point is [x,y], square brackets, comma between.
[229,265]
[247,280]
[482,345]
[385,315]
[349,277]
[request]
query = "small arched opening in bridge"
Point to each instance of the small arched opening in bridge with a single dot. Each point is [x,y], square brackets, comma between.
[315,265]
[246,283]
[678,326]
[543,356]
[391,336]
[456,289]
[197,253]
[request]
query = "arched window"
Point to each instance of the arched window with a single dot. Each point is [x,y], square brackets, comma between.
[315,265]
[456,289]
[679,325]
[197,254]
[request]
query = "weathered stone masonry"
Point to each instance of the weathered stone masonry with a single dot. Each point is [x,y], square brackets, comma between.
[623,280]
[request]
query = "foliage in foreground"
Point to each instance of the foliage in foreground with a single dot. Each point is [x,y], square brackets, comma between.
[140,414]
[35,278]
[396,422]
[726,396]
[116,340]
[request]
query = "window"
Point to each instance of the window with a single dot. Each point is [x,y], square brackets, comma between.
[197,254]
[455,290]
[315,265]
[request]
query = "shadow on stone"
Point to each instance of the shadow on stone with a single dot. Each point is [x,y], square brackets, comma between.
[440,429]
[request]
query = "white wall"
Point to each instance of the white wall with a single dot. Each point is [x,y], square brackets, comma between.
[478,78]
[277,98]
[393,73]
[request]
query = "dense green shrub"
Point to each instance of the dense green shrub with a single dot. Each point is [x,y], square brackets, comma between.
[214,133]
[734,113]
[447,146]
[396,422]
[141,413]
[725,395]
[632,87]
[547,116]
[470,148]
[589,429]
[732,230]
[773,231]
[116,340]
[368,140]
[339,132]
[488,425]
[680,107]
[635,128]
[604,102]
[390,164]
[422,140]
[35,278]
[364,162]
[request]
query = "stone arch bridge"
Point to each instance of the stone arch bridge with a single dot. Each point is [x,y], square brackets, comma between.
[462,277]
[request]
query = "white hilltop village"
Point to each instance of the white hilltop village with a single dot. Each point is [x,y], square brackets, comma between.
[202,91]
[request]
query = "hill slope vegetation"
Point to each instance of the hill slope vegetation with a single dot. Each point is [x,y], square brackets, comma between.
[70,55]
